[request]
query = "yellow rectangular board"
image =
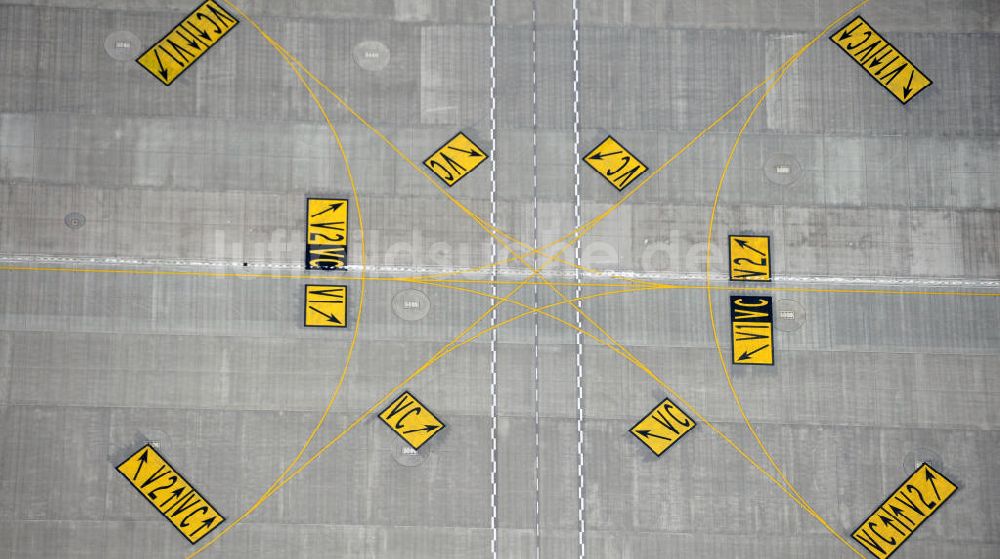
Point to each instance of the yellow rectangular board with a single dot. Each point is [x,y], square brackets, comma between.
[170,494]
[662,427]
[749,258]
[615,163]
[187,42]
[458,157]
[411,420]
[895,520]
[326,233]
[752,319]
[883,62]
[325,306]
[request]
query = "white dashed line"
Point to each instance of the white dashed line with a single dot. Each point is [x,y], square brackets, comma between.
[493,287]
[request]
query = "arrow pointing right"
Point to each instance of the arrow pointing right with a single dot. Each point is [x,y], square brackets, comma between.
[329,317]
[470,152]
[427,428]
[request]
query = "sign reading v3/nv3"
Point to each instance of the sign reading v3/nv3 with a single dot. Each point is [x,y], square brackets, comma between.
[458,157]
[749,258]
[187,42]
[411,420]
[913,502]
[170,494]
[326,234]
[662,427]
[615,163]
[752,330]
[881,60]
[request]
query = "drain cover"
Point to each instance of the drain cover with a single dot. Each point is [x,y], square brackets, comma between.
[122,45]
[404,455]
[371,55]
[411,304]
[782,169]
[74,220]
[789,315]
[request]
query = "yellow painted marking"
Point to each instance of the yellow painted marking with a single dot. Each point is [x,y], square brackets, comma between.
[170,494]
[662,427]
[753,343]
[326,306]
[326,233]
[883,62]
[749,258]
[411,420]
[615,163]
[187,42]
[458,157]
[895,520]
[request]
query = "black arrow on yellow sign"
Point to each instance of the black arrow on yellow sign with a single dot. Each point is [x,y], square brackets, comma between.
[748,355]
[331,208]
[329,317]
[747,246]
[470,152]
[599,156]
[427,428]
[647,433]
[142,461]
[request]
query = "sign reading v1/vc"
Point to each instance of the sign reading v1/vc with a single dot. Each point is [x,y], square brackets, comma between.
[913,502]
[749,258]
[752,330]
[662,427]
[326,234]
[615,163]
[187,42]
[881,60]
[326,306]
[156,480]
[411,420]
[455,159]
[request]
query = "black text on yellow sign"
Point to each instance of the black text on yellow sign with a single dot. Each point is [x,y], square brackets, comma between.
[662,427]
[176,499]
[411,420]
[752,321]
[913,502]
[326,306]
[749,258]
[186,43]
[458,157]
[326,234]
[881,60]
[615,163]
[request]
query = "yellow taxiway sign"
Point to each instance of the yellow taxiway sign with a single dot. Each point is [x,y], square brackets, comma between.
[458,157]
[169,57]
[749,258]
[752,319]
[411,420]
[662,427]
[615,163]
[326,233]
[883,62]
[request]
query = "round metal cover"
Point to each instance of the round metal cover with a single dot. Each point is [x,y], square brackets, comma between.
[371,55]
[411,304]
[404,455]
[782,169]
[74,220]
[789,315]
[918,456]
[122,45]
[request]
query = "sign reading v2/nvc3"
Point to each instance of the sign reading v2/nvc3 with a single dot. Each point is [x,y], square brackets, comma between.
[881,60]
[187,42]
[326,234]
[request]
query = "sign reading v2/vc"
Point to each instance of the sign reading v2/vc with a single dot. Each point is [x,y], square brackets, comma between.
[153,477]
[458,157]
[749,258]
[662,427]
[411,420]
[326,234]
[185,43]
[913,502]
[326,306]
[881,60]
[752,320]
[615,163]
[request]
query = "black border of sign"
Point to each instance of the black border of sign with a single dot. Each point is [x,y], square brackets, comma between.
[870,26]
[893,492]
[305,305]
[189,484]
[444,145]
[622,189]
[347,236]
[404,393]
[732,333]
[183,19]
[770,275]
[643,418]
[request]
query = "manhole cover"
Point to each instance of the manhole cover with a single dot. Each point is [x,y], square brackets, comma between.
[74,220]
[918,456]
[782,169]
[404,455]
[371,55]
[411,304]
[122,45]
[789,315]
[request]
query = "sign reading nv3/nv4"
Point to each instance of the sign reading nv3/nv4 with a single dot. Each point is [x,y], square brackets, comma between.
[662,427]
[187,42]
[615,163]
[458,157]
[883,62]
[326,234]
[411,420]
[326,306]
[170,494]
[913,502]
[749,258]
[752,330]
